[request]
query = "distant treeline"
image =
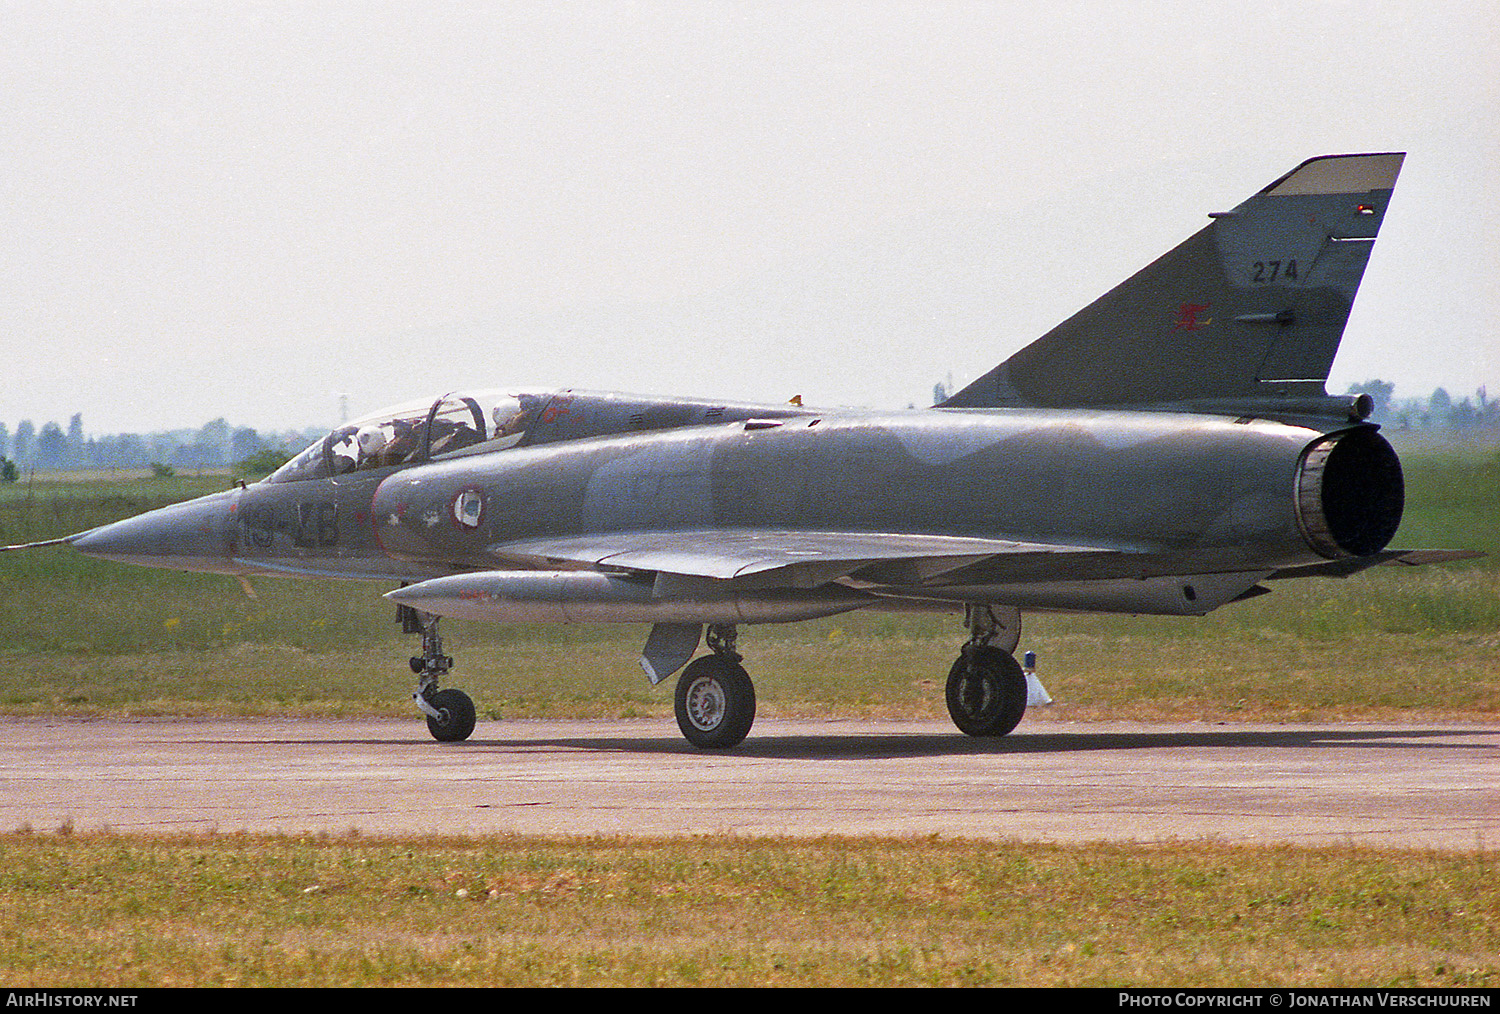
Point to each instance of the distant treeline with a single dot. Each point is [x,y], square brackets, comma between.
[214,445]
[1437,411]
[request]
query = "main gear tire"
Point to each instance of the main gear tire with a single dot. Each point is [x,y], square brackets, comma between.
[715,702]
[986,692]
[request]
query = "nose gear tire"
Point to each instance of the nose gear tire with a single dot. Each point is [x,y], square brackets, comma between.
[456,721]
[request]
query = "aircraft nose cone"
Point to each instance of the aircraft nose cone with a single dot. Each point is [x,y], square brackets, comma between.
[185,536]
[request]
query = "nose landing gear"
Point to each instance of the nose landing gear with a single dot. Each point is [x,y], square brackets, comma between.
[450,713]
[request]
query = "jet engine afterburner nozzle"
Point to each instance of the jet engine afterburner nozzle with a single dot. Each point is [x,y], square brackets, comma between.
[1350,493]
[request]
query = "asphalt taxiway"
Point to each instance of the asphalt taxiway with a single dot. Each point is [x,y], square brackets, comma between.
[1379,785]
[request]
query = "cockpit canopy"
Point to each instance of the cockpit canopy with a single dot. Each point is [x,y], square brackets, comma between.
[453,426]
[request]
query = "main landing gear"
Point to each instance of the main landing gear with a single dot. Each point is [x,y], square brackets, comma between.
[715,699]
[987,689]
[986,692]
[450,713]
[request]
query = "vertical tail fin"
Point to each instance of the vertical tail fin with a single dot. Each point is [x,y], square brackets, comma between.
[1251,308]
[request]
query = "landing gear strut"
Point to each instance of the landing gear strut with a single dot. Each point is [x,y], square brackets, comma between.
[715,698]
[450,713]
[986,688]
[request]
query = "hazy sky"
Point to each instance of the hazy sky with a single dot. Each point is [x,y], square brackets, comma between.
[249,209]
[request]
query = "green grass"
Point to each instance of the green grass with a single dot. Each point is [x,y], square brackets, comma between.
[104,911]
[88,636]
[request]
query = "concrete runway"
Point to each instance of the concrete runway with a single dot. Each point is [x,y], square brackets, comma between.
[1378,785]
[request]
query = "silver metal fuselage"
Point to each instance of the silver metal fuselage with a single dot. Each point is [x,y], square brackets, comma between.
[1155,495]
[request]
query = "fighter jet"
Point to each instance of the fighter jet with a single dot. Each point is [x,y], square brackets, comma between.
[1169,449]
